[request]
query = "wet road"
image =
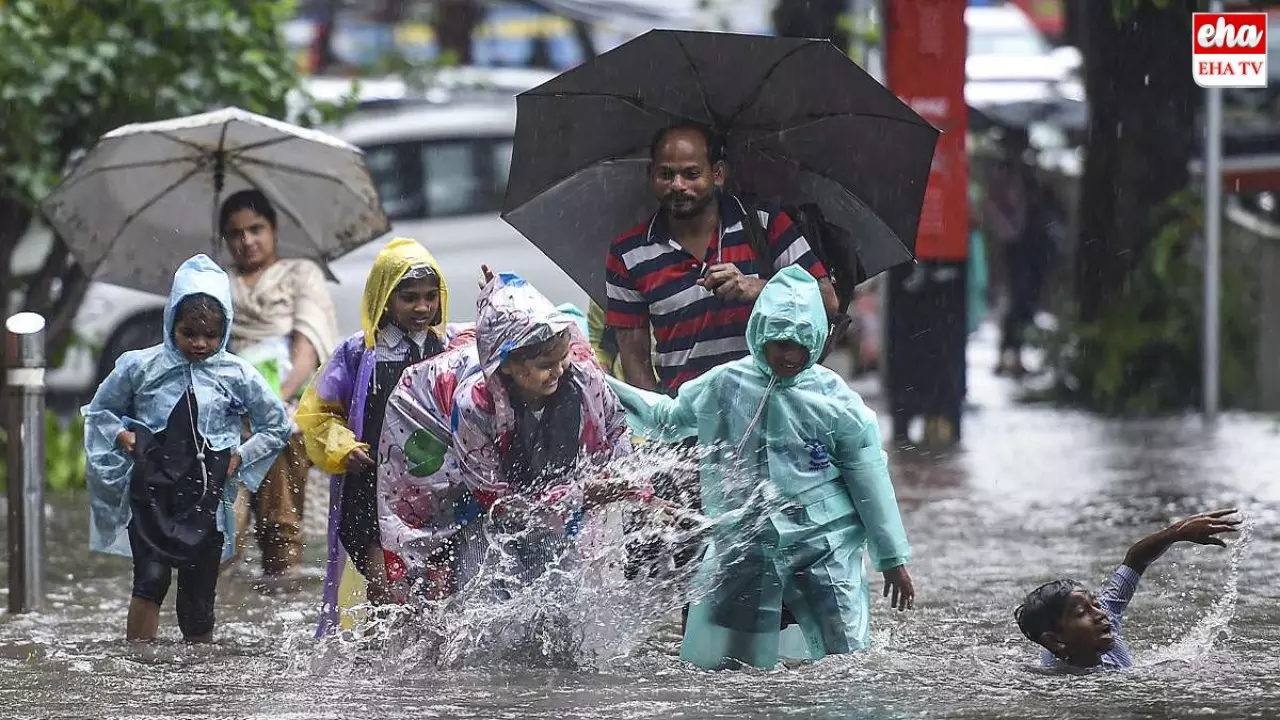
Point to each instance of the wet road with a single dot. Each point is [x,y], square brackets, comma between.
[1034,494]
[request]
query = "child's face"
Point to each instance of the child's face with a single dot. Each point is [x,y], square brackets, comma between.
[1084,629]
[786,358]
[198,335]
[415,304]
[539,377]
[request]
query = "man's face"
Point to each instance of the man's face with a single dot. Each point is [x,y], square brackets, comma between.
[682,176]
[1084,630]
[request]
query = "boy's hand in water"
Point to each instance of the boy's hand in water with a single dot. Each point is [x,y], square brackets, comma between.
[904,592]
[358,461]
[128,440]
[1204,529]
[234,465]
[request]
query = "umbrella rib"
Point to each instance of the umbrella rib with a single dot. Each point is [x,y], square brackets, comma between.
[702,88]
[271,164]
[755,93]
[187,143]
[806,168]
[147,205]
[631,100]
[76,180]
[265,143]
[816,118]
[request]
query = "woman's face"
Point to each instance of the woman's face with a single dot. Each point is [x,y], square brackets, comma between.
[539,377]
[251,239]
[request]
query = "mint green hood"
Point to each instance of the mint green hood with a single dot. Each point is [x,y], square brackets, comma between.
[789,308]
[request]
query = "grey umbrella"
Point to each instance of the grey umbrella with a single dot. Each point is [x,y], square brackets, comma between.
[802,123]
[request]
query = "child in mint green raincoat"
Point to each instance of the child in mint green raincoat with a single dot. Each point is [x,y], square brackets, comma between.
[818,490]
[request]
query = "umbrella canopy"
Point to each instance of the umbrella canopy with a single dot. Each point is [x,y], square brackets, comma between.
[1067,114]
[801,122]
[146,197]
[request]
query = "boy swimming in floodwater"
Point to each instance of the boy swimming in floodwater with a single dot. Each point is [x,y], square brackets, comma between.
[1080,630]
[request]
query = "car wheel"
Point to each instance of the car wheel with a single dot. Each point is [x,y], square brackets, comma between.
[136,333]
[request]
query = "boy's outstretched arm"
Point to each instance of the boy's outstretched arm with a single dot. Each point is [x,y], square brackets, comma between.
[1202,529]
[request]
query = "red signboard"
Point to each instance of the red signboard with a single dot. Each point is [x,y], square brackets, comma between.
[925,52]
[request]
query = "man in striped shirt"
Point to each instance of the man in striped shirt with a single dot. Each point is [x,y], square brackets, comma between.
[1080,630]
[691,272]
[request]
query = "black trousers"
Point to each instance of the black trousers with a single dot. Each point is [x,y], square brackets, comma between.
[197,581]
[1028,264]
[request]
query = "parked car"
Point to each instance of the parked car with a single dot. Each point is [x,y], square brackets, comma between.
[441,172]
[1010,61]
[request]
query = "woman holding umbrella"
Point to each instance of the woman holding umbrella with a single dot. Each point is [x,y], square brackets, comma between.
[286,326]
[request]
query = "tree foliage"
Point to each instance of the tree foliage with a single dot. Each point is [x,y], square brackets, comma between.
[1144,356]
[71,70]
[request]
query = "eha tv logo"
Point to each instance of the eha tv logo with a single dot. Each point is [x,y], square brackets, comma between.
[1229,50]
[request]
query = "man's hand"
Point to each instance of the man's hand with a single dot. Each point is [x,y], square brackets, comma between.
[486,276]
[904,592]
[728,282]
[234,465]
[1203,529]
[358,461]
[128,440]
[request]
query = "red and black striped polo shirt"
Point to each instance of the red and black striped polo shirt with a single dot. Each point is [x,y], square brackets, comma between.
[651,280]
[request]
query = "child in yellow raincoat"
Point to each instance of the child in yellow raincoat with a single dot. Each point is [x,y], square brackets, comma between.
[403,314]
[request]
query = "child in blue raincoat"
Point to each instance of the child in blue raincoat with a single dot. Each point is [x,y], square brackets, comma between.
[165,455]
[818,490]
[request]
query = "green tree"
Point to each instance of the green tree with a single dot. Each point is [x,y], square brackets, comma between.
[71,70]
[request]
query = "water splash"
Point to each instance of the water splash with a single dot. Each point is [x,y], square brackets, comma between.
[536,599]
[1199,640]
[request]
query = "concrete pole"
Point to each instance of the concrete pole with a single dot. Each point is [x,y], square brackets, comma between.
[24,427]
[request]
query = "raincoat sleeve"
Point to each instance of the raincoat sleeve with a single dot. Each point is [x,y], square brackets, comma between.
[617,434]
[322,414]
[865,469]
[475,463]
[269,422]
[109,466]
[660,417]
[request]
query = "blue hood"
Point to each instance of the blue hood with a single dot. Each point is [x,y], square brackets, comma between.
[789,308]
[198,276]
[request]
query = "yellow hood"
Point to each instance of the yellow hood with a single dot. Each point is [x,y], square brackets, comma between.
[389,267]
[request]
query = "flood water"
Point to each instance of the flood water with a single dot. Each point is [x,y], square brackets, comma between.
[1032,495]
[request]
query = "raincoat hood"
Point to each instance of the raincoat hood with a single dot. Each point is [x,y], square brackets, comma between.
[789,308]
[511,314]
[199,275]
[389,268]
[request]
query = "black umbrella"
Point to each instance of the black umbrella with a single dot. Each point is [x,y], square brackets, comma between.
[1069,115]
[802,123]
